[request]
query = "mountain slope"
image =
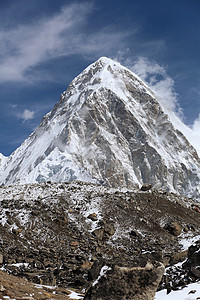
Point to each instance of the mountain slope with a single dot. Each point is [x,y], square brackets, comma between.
[62,234]
[2,161]
[107,127]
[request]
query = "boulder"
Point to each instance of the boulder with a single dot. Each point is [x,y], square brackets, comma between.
[93,217]
[94,270]
[178,257]
[109,229]
[1,259]
[146,187]
[120,283]
[174,228]
[98,233]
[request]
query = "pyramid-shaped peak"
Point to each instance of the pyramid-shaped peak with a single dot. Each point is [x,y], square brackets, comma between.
[103,63]
[104,70]
[108,127]
[106,60]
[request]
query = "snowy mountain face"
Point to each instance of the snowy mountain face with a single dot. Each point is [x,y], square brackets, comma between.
[2,161]
[107,128]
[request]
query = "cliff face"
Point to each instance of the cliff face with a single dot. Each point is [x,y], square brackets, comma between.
[108,127]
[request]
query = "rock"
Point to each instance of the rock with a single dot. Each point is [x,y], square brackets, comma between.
[1,259]
[109,229]
[93,217]
[87,265]
[74,244]
[174,228]
[98,233]
[177,257]
[95,270]
[146,187]
[16,230]
[133,234]
[2,288]
[120,283]
[193,261]
[195,208]
[192,227]
[195,272]
[186,228]
[181,275]
[192,292]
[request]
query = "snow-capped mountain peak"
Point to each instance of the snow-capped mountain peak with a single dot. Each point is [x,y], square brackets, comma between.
[107,127]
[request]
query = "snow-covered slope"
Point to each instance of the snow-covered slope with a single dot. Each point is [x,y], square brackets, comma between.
[2,161]
[109,128]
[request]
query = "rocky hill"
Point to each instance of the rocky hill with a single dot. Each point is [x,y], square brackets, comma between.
[64,234]
[108,128]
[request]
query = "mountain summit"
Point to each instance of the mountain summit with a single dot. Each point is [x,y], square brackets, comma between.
[108,127]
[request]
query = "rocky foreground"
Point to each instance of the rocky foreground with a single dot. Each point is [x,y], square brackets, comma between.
[105,243]
[14,287]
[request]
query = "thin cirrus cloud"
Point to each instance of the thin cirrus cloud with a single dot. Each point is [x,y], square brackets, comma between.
[26,115]
[65,33]
[158,80]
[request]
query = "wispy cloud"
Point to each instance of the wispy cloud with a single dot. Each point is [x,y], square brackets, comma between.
[163,85]
[195,136]
[26,115]
[62,34]
[158,80]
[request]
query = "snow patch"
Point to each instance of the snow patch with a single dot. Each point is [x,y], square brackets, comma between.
[102,273]
[191,292]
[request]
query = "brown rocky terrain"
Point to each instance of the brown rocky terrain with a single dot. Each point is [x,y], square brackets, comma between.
[13,287]
[63,234]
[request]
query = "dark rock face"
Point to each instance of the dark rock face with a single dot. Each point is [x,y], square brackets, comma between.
[146,187]
[174,228]
[120,283]
[93,217]
[177,277]
[192,265]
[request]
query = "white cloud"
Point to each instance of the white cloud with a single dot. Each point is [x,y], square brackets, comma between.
[156,77]
[13,105]
[27,115]
[195,137]
[62,34]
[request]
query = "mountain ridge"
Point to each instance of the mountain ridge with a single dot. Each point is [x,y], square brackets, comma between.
[109,128]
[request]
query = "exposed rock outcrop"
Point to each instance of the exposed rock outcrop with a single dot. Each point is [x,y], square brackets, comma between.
[120,283]
[174,228]
[186,272]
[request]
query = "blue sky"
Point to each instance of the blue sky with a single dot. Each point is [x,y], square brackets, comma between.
[44,44]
